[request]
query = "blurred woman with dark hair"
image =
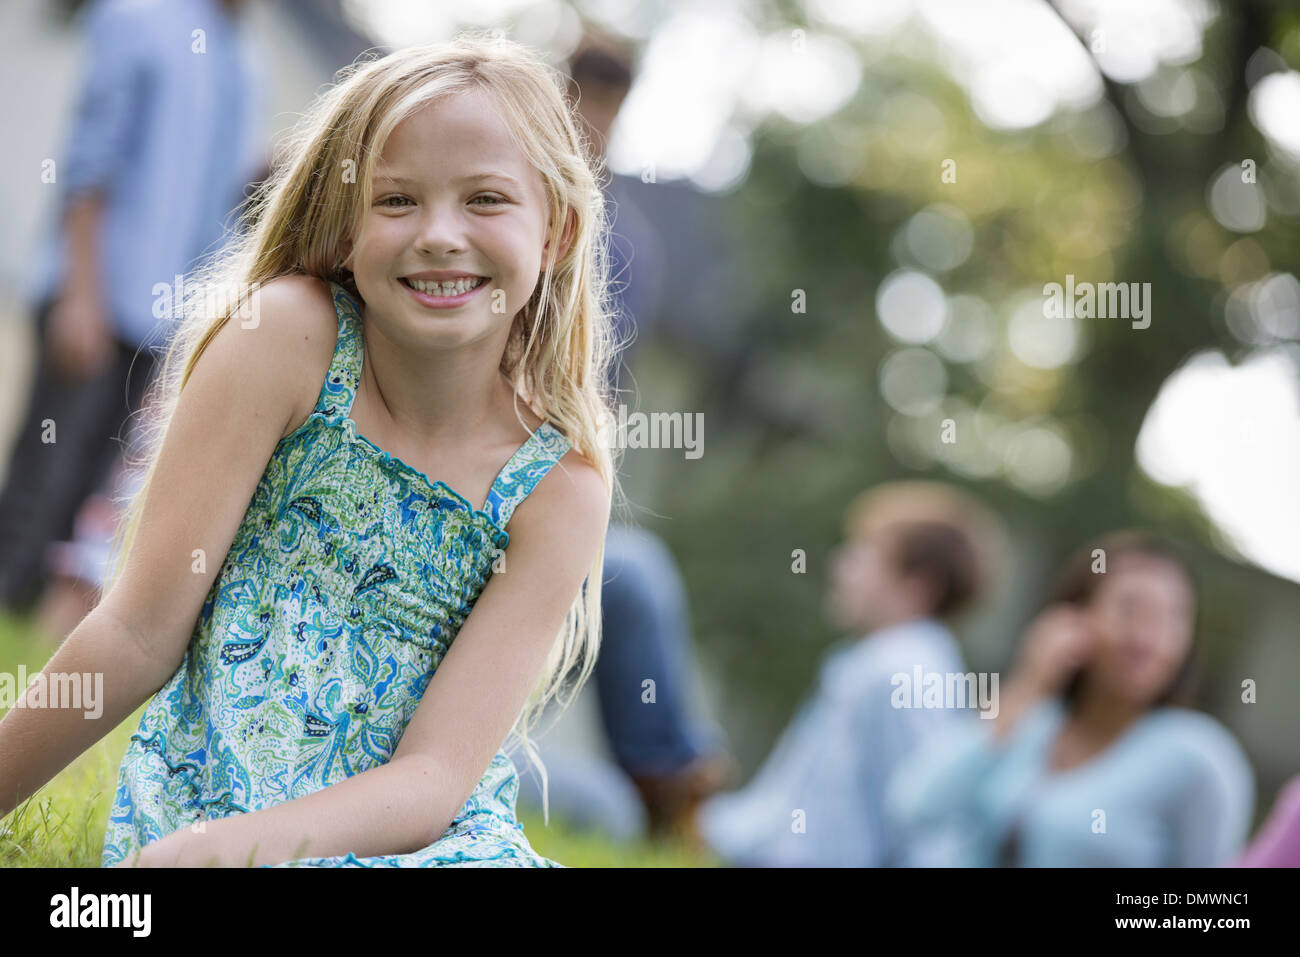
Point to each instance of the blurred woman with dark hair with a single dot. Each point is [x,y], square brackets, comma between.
[1094,758]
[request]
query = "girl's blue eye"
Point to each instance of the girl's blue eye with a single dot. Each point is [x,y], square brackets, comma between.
[387,200]
[497,200]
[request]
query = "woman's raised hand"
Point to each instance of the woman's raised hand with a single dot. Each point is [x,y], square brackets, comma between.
[1056,644]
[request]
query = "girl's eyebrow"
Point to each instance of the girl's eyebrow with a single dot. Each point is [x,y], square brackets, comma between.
[473,178]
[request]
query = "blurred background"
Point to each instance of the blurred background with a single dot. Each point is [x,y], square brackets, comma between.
[857,206]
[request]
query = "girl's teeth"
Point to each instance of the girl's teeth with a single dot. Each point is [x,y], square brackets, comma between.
[450,288]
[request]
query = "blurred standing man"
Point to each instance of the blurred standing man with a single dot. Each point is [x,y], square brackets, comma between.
[669,759]
[161,146]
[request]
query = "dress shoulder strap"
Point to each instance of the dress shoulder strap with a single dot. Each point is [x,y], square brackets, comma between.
[526,468]
[343,379]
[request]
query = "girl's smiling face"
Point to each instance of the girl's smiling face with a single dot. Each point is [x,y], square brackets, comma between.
[451,193]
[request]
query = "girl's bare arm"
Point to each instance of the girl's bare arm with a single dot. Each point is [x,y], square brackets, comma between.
[250,388]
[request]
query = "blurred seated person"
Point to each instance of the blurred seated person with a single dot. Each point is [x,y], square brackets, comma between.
[916,554]
[1094,758]
[667,755]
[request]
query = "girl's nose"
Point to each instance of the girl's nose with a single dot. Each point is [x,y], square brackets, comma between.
[441,231]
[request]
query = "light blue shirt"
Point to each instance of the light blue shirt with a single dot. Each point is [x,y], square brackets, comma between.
[817,799]
[168,134]
[1175,790]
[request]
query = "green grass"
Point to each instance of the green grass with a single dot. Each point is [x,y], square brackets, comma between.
[588,849]
[63,824]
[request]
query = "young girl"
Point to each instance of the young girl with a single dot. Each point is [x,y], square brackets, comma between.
[380,492]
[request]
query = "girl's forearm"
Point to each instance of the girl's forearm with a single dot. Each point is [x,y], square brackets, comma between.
[395,808]
[93,682]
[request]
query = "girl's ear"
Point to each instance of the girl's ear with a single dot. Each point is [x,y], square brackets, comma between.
[566,240]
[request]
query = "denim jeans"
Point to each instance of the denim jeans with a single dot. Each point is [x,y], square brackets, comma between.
[646,636]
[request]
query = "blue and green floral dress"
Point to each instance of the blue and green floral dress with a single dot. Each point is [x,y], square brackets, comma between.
[345,584]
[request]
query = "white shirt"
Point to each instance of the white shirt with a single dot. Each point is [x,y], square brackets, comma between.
[817,799]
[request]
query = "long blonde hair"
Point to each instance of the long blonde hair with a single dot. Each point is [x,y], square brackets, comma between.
[560,346]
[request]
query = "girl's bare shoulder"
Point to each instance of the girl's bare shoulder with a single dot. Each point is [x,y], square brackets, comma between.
[572,498]
[300,323]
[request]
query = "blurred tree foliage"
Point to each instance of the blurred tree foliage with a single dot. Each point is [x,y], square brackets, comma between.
[796,424]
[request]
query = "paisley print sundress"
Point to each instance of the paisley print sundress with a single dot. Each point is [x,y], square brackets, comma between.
[345,584]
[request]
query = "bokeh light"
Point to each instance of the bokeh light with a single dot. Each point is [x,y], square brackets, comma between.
[913,380]
[1039,341]
[911,306]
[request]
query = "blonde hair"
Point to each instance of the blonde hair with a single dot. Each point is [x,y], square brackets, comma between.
[560,345]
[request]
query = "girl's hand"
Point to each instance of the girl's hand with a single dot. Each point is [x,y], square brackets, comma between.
[183,848]
[1057,643]
[149,856]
